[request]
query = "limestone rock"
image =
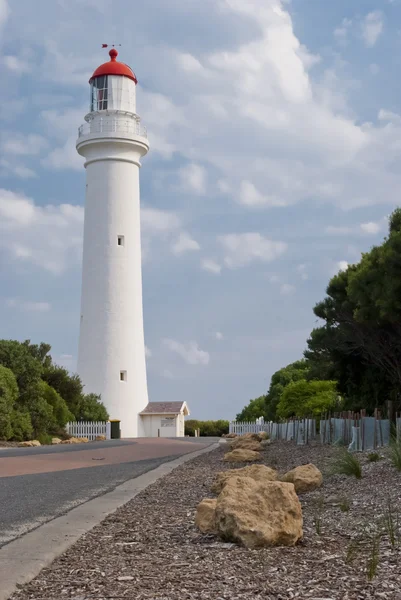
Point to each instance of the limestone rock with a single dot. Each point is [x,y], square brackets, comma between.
[305,478]
[55,441]
[258,514]
[29,444]
[263,435]
[75,440]
[256,472]
[205,516]
[242,455]
[246,444]
[230,435]
[100,438]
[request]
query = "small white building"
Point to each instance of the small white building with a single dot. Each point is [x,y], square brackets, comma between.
[164,419]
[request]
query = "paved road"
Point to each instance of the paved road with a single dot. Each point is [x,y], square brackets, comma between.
[38,484]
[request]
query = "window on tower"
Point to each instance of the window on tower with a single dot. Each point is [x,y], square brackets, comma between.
[123,375]
[99,93]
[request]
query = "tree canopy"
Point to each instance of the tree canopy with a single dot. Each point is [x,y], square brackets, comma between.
[37,397]
[356,350]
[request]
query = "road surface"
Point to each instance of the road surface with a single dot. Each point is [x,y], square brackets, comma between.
[38,484]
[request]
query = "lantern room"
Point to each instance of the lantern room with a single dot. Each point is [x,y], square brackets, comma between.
[113,87]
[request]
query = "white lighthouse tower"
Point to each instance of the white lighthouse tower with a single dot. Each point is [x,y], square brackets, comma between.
[111,357]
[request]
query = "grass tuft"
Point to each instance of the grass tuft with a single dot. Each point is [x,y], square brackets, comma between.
[373,456]
[347,464]
[374,558]
[395,453]
[344,504]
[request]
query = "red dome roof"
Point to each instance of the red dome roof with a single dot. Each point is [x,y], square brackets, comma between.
[113,67]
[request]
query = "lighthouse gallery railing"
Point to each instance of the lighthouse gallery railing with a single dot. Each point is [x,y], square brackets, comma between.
[107,125]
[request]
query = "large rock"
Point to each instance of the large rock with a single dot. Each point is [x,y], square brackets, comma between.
[230,435]
[100,438]
[263,435]
[305,478]
[258,514]
[242,455]
[205,518]
[246,444]
[75,440]
[256,472]
[29,444]
[56,441]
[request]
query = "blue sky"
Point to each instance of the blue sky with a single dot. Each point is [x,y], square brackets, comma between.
[275,135]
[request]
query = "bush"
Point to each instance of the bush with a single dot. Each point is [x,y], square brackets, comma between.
[207,428]
[348,464]
[305,398]
[92,409]
[61,413]
[8,397]
[395,453]
[45,439]
[22,426]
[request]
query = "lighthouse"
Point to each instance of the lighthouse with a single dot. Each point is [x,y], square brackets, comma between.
[111,355]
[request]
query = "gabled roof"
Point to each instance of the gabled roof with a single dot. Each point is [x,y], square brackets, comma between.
[166,408]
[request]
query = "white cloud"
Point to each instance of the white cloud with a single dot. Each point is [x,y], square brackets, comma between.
[286,289]
[190,353]
[18,170]
[4,11]
[303,273]
[341,33]
[193,178]
[16,65]
[47,236]
[372,27]
[371,227]
[219,336]
[155,221]
[341,265]
[243,248]
[250,196]
[28,306]
[211,266]
[20,144]
[183,244]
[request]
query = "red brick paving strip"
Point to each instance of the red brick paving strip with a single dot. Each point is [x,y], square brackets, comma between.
[142,449]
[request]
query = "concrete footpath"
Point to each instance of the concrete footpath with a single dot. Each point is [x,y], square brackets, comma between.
[24,558]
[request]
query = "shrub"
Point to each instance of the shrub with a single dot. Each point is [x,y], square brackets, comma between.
[8,397]
[348,464]
[207,428]
[92,409]
[45,439]
[22,426]
[395,453]
[373,456]
[61,413]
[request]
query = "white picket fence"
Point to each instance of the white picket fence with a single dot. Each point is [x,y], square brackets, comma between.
[89,429]
[242,427]
[299,430]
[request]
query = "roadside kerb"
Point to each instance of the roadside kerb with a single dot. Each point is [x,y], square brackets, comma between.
[22,559]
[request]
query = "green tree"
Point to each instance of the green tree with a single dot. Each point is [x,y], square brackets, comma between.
[279,381]
[92,409]
[68,386]
[61,413]
[8,398]
[306,398]
[253,410]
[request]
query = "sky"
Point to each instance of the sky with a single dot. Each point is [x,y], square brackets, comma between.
[275,134]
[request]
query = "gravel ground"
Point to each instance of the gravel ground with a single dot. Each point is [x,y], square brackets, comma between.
[150,549]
